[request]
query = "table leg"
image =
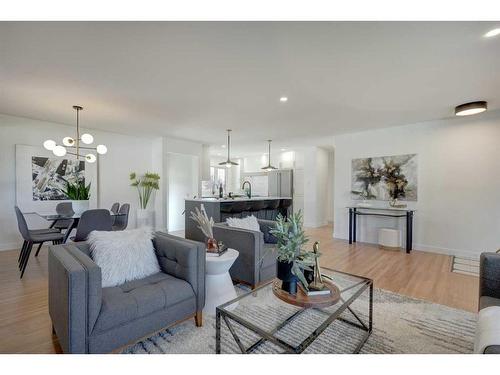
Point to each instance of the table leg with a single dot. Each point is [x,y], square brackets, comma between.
[217,332]
[70,228]
[370,321]
[350,226]
[409,219]
[354,219]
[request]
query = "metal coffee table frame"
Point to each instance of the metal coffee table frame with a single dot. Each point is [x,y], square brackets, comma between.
[227,316]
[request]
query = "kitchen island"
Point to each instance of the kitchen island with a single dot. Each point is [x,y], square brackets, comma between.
[222,208]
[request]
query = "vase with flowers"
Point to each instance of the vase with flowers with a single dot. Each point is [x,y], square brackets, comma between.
[205,224]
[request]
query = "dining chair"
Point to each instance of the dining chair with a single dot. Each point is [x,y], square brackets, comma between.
[66,209]
[99,219]
[115,207]
[31,237]
[121,221]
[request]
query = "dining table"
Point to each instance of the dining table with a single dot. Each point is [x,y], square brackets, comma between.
[74,219]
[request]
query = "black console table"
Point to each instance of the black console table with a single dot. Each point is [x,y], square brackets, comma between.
[354,212]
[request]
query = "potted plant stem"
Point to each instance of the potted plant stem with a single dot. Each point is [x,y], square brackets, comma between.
[79,194]
[146,186]
[292,259]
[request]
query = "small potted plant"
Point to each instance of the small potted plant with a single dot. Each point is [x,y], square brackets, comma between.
[79,194]
[292,258]
[146,186]
[206,226]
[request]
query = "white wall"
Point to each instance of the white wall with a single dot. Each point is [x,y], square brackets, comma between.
[315,186]
[125,154]
[458,208]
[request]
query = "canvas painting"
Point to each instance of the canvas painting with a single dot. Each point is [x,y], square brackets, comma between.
[49,176]
[385,178]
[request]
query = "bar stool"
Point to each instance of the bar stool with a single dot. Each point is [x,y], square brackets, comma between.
[271,209]
[257,208]
[225,210]
[284,206]
[238,208]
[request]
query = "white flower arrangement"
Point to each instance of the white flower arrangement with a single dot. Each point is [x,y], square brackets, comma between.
[204,223]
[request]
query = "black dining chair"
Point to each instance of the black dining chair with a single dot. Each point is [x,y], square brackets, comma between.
[31,237]
[121,221]
[90,220]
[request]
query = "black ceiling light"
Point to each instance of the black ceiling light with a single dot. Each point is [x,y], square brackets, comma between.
[228,163]
[471,108]
[269,167]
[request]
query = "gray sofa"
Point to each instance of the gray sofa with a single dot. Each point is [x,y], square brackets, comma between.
[489,287]
[90,319]
[256,263]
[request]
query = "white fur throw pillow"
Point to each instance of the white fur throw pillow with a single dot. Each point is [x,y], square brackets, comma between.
[249,222]
[123,255]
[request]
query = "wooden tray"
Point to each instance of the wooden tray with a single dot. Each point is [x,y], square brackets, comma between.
[303,300]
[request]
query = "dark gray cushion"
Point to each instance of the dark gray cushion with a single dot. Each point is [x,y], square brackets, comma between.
[139,298]
[492,349]
[486,301]
[489,275]
[265,227]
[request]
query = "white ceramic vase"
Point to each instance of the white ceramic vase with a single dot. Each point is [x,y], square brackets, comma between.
[145,218]
[80,206]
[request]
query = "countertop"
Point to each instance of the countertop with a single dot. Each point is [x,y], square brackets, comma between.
[239,199]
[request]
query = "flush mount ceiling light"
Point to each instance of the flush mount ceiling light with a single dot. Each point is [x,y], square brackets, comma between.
[283,99]
[492,33]
[471,108]
[74,143]
[228,163]
[269,167]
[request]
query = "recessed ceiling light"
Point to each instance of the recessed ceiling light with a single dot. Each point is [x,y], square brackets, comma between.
[283,149]
[223,146]
[283,99]
[472,108]
[219,154]
[492,33]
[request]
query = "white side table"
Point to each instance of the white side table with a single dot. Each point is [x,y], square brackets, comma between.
[219,287]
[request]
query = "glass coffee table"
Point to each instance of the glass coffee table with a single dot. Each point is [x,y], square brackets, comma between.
[260,322]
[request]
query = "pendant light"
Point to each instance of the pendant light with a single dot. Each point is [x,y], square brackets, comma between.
[74,143]
[269,167]
[228,163]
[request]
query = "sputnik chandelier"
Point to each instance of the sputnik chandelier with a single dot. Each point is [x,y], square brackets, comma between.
[74,144]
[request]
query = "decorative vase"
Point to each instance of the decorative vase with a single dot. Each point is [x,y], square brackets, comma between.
[212,245]
[145,218]
[80,206]
[288,279]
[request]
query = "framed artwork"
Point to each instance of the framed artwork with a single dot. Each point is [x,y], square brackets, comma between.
[41,178]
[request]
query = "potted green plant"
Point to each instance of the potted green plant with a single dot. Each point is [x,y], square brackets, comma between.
[79,194]
[292,258]
[146,186]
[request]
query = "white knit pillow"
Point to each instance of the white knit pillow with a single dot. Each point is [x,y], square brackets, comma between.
[123,255]
[249,222]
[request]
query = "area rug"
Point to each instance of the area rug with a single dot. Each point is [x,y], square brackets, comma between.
[400,325]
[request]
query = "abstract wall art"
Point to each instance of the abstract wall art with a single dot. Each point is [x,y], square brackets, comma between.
[385,178]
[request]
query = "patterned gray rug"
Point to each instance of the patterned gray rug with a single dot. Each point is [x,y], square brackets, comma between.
[400,325]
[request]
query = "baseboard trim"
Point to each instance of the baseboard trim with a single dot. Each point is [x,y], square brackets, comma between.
[10,246]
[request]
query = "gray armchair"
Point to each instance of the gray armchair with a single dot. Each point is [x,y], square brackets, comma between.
[90,319]
[489,287]
[256,263]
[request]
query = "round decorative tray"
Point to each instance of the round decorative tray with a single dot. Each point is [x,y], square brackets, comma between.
[303,300]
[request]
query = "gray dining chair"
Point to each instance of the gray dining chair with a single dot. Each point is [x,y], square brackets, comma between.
[31,237]
[121,221]
[115,207]
[99,219]
[66,209]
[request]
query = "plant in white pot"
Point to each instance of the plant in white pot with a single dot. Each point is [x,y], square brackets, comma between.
[79,194]
[146,186]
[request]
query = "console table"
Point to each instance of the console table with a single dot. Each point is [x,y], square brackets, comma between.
[356,211]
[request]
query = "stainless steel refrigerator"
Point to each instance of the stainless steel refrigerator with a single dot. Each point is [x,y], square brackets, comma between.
[280,183]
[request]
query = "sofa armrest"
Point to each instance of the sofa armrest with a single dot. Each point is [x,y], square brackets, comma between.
[249,245]
[265,227]
[184,259]
[75,296]
[489,275]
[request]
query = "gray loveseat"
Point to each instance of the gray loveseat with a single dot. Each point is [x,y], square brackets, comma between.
[90,319]
[489,287]
[256,263]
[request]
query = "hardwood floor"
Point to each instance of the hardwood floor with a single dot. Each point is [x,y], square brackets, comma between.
[25,325]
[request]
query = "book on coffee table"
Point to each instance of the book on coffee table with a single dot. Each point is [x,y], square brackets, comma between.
[311,292]
[217,253]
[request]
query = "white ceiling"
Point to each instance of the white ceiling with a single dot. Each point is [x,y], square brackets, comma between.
[193,80]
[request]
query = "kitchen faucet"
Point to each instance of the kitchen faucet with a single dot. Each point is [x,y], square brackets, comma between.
[249,194]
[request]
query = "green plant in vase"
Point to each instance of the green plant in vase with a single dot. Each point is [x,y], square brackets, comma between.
[290,254]
[146,185]
[78,193]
